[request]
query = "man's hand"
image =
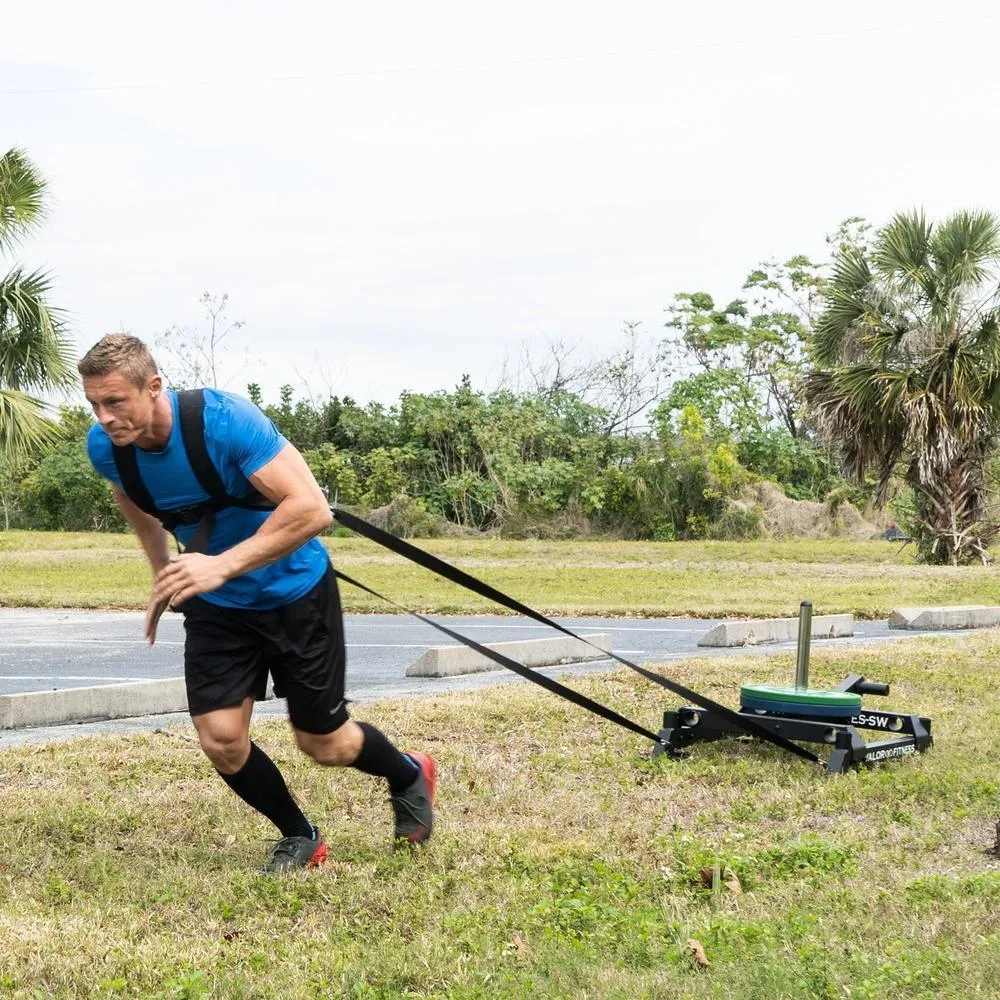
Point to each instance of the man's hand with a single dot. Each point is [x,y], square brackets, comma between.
[186,576]
[154,610]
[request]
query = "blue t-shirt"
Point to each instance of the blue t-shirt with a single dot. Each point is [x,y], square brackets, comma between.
[240,440]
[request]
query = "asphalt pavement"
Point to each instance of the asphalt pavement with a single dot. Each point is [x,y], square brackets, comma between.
[44,649]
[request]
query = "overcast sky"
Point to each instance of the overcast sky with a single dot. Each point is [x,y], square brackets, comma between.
[395,194]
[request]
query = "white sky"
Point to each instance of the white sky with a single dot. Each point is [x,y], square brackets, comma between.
[394,194]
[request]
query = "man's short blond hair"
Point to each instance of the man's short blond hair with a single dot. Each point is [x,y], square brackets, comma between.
[119,352]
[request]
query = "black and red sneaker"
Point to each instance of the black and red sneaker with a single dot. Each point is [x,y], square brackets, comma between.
[414,805]
[290,853]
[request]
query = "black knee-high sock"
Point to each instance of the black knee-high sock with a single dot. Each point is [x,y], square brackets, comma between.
[260,785]
[379,756]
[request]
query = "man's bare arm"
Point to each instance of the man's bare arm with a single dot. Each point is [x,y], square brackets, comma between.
[151,534]
[156,543]
[301,512]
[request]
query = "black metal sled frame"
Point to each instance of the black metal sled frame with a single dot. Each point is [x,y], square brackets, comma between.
[694,725]
[691,725]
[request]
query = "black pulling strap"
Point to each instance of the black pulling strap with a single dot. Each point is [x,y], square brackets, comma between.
[505,661]
[463,579]
[191,406]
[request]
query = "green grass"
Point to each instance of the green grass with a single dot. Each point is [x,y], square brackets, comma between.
[708,579]
[565,863]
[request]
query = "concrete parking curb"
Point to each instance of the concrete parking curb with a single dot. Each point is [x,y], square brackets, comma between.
[87,704]
[945,619]
[750,633]
[107,701]
[451,661]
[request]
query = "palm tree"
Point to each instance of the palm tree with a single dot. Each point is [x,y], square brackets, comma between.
[907,379]
[35,356]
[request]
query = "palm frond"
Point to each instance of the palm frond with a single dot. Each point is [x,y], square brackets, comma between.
[984,337]
[34,352]
[903,253]
[25,426]
[22,196]
[965,248]
[846,305]
[857,411]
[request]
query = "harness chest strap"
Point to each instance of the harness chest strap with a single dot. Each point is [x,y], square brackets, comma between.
[191,410]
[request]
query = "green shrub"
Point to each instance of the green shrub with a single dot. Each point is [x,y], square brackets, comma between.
[737,523]
[65,493]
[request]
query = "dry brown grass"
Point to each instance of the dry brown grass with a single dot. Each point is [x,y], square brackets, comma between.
[705,579]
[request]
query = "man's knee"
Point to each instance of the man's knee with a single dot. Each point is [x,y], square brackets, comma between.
[225,747]
[337,749]
[224,735]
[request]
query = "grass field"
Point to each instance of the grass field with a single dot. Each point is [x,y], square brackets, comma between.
[706,579]
[565,864]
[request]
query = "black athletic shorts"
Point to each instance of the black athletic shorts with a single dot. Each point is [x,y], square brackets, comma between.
[228,653]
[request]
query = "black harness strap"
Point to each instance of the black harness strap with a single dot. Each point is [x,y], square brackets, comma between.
[132,484]
[463,579]
[191,411]
[191,407]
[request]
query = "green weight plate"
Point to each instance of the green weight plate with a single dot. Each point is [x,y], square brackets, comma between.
[807,696]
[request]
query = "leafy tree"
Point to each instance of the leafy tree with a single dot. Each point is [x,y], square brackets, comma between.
[334,471]
[12,473]
[908,379]
[747,361]
[297,420]
[75,422]
[785,301]
[362,428]
[749,357]
[804,471]
[386,475]
[724,398]
[35,355]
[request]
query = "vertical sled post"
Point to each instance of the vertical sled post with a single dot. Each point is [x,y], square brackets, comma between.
[805,635]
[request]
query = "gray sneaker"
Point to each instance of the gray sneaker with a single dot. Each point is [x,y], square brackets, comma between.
[414,805]
[290,853]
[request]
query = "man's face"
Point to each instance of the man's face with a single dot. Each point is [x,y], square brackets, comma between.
[122,408]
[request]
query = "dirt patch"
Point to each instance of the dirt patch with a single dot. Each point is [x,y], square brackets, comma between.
[782,517]
[406,518]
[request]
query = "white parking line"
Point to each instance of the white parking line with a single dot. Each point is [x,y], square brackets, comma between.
[388,645]
[42,643]
[629,628]
[70,677]
[497,625]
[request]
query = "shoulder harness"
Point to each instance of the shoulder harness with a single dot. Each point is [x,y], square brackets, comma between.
[191,409]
